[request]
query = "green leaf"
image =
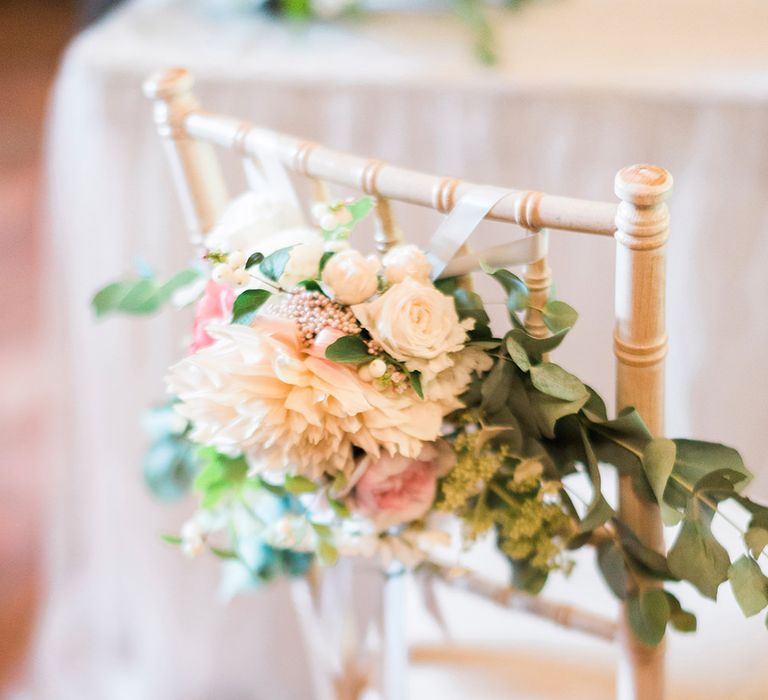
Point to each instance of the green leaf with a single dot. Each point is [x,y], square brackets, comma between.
[169,467]
[247,304]
[697,556]
[694,461]
[415,379]
[139,296]
[470,305]
[324,258]
[349,349]
[681,620]
[558,316]
[327,553]
[536,347]
[338,507]
[641,558]
[547,410]
[649,612]
[223,553]
[273,266]
[756,538]
[610,561]
[658,463]
[299,484]
[749,585]
[517,353]
[553,380]
[360,208]
[220,475]
[171,539]
[598,510]
[517,292]
[253,259]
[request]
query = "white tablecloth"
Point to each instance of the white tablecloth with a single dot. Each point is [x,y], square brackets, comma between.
[582,88]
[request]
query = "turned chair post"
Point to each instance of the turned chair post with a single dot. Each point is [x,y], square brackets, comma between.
[194,165]
[640,341]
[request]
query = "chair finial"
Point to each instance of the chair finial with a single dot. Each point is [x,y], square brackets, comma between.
[642,185]
[168,83]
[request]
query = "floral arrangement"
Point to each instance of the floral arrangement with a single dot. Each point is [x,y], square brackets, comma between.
[333,402]
[471,12]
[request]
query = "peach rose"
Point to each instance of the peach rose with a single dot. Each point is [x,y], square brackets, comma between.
[394,489]
[215,305]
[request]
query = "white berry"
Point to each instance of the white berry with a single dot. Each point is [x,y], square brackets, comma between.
[377,368]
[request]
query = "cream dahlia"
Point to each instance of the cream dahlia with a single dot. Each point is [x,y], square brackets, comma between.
[259,391]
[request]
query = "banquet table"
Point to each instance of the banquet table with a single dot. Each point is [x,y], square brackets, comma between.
[581,88]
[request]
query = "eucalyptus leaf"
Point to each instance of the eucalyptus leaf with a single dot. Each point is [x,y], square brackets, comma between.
[749,585]
[553,380]
[695,460]
[756,538]
[649,611]
[348,349]
[559,316]
[139,296]
[697,556]
[247,305]
[537,347]
[548,410]
[517,292]
[610,561]
[680,619]
[658,463]
[599,510]
[517,353]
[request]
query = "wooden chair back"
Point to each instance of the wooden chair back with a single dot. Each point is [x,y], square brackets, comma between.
[638,222]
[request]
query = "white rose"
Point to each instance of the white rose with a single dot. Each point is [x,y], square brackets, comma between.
[303,263]
[416,324]
[252,222]
[406,261]
[350,278]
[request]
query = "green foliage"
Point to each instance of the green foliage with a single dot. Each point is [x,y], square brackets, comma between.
[253,259]
[220,475]
[749,585]
[349,349]
[297,485]
[696,555]
[247,305]
[141,296]
[273,266]
[649,611]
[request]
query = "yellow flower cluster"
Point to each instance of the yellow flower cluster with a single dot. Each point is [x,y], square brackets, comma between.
[528,525]
[474,468]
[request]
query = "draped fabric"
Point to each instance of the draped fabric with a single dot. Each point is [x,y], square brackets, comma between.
[572,100]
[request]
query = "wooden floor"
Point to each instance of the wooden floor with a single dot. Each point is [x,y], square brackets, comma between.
[32,35]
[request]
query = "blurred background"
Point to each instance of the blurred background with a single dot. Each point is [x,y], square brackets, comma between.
[91,606]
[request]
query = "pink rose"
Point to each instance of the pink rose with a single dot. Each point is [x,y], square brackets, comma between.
[395,489]
[215,305]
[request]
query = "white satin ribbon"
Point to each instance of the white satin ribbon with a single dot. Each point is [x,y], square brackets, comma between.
[459,225]
[270,171]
